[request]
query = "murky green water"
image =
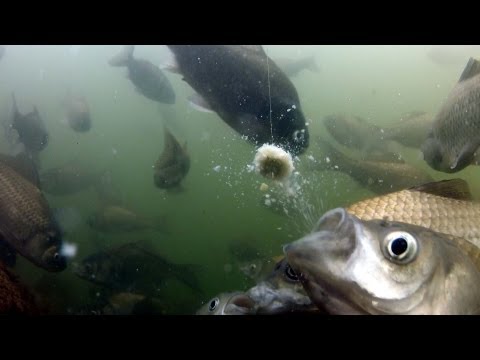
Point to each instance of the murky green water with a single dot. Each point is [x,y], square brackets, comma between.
[221,201]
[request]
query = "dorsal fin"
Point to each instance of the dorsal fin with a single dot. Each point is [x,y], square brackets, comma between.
[453,189]
[472,69]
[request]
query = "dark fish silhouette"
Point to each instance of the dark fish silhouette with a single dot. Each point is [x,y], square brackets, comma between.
[77,113]
[173,164]
[148,79]
[246,89]
[30,130]
[130,268]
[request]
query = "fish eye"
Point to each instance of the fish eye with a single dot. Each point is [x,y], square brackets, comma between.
[401,246]
[299,135]
[213,304]
[290,273]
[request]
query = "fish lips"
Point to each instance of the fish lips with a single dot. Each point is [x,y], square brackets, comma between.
[332,242]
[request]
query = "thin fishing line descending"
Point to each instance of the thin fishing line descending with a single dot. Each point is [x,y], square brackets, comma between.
[269,97]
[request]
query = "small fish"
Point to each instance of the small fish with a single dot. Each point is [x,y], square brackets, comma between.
[148,79]
[280,293]
[355,132]
[292,67]
[131,268]
[377,176]
[410,130]
[247,90]
[173,164]
[118,219]
[77,113]
[29,128]
[352,266]
[455,134]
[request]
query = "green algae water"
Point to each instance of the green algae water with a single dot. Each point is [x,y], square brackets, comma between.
[222,201]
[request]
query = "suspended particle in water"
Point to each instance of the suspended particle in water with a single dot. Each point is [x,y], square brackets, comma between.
[217,168]
[263,187]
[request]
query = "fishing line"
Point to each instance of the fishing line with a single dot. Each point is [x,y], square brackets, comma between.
[269,97]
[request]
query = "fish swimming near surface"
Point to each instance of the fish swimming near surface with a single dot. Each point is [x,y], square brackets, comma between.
[27,224]
[119,219]
[131,268]
[247,90]
[29,129]
[353,266]
[455,134]
[293,67]
[148,79]
[173,164]
[77,113]
[377,176]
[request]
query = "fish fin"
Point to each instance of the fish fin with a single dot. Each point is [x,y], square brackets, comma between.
[472,69]
[171,65]
[8,255]
[123,57]
[199,103]
[24,165]
[466,156]
[453,189]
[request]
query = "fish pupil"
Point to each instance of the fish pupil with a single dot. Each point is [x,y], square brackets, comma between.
[213,304]
[399,246]
[290,273]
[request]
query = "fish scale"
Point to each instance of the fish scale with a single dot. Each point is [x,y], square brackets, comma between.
[450,216]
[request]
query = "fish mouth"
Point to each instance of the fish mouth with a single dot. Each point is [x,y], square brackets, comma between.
[317,260]
[53,260]
[240,304]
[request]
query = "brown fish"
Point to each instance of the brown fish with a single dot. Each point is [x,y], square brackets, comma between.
[353,266]
[173,164]
[26,221]
[378,176]
[411,129]
[354,132]
[443,206]
[78,113]
[121,219]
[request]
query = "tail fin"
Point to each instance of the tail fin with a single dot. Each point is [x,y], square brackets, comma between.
[123,57]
